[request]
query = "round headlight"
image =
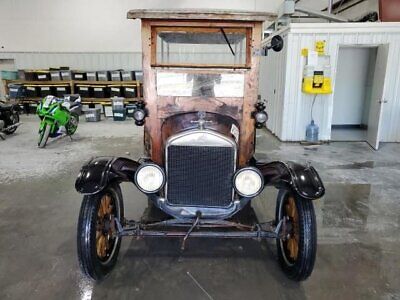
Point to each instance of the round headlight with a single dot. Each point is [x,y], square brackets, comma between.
[248,182]
[139,115]
[261,117]
[149,178]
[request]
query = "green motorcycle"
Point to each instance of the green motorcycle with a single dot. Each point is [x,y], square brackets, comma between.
[57,116]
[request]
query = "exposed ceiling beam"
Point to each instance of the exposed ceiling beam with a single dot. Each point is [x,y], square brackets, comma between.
[320,14]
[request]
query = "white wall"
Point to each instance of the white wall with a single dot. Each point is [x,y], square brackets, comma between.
[350,87]
[90,25]
[272,86]
[296,105]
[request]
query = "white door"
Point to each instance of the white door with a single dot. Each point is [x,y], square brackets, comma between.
[377,97]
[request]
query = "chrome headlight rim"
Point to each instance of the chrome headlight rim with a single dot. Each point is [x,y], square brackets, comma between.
[139,111]
[144,165]
[255,170]
[261,117]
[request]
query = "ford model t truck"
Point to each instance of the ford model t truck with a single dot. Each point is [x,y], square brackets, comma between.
[200,113]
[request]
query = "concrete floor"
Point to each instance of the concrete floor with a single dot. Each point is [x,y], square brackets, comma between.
[358,227]
[349,134]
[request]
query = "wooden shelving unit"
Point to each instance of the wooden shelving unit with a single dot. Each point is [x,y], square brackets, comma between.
[72,84]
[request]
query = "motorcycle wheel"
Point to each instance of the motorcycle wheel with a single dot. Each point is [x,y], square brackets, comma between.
[14,120]
[72,125]
[297,252]
[44,136]
[98,244]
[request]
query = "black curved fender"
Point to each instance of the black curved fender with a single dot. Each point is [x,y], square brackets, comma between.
[96,174]
[304,180]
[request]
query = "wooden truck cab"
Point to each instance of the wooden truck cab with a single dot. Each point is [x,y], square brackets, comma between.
[200,61]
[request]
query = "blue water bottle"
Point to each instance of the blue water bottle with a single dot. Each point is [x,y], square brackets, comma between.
[312,132]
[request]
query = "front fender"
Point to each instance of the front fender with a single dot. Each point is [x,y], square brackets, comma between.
[304,180]
[95,175]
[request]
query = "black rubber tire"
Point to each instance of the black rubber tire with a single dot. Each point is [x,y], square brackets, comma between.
[89,262]
[44,136]
[72,131]
[302,268]
[15,121]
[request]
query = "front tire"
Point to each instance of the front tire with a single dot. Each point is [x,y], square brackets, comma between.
[44,136]
[297,252]
[14,120]
[72,125]
[98,242]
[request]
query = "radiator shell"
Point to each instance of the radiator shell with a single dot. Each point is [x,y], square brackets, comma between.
[200,168]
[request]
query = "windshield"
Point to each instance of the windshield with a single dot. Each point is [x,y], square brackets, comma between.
[201,47]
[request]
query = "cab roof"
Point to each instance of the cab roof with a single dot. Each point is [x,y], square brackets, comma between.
[200,14]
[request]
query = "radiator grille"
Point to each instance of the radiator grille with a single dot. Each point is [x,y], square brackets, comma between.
[200,175]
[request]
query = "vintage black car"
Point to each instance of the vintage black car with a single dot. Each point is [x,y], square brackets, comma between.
[200,114]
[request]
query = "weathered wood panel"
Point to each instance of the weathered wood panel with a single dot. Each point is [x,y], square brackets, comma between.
[247,125]
[153,123]
[200,14]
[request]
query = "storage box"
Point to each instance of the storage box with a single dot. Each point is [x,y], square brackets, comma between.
[115,75]
[55,75]
[15,91]
[119,111]
[93,115]
[129,91]
[45,90]
[21,75]
[108,112]
[31,91]
[118,102]
[83,90]
[130,109]
[91,76]
[61,90]
[99,91]
[119,114]
[42,75]
[66,75]
[139,75]
[103,75]
[127,75]
[28,75]
[9,75]
[77,75]
[115,90]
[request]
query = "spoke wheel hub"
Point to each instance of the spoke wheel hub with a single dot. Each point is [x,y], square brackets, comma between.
[292,242]
[105,235]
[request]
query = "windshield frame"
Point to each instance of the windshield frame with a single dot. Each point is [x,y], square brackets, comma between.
[247,31]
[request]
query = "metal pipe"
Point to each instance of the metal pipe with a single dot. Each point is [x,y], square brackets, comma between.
[201,234]
[321,15]
[330,4]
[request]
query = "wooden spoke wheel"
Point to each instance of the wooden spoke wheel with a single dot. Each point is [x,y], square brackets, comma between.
[297,250]
[98,242]
[291,244]
[105,230]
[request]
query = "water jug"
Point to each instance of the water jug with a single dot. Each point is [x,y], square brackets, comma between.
[312,132]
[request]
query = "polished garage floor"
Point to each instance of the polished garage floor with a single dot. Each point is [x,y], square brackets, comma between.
[358,234]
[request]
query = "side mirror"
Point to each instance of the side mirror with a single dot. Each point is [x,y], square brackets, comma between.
[276,45]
